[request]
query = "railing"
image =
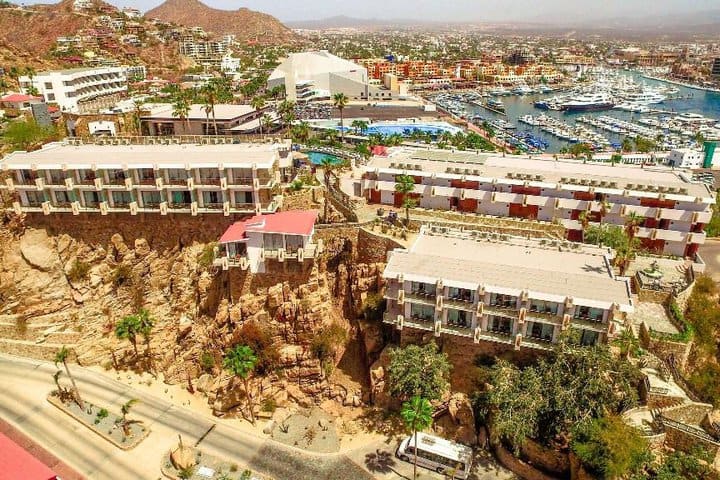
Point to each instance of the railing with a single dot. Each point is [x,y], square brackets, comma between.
[209,181]
[695,432]
[241,181]
[116,181]
[147,181]
[179,205]
[213,205]
[87,181]
[178,139]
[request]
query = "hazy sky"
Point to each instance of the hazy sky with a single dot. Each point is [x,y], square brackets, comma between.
[561,11]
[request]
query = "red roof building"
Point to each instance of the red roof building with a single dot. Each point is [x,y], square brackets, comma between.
[17,463]
[18,101]
[281,235]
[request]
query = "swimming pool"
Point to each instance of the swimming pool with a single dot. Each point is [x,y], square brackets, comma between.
[316,158]
[406,129]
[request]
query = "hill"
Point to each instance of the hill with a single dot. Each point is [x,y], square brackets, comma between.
[245,24]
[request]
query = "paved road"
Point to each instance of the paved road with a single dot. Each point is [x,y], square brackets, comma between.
[26,384]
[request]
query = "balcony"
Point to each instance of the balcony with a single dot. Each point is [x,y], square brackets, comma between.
[459,303]
[421,296]
[242,181]
[459,330]
[213,205]
[147,181]
[595,326]
[545,315]
[116,181]
[179,206]
[209,181]
[537,343]
[420,323]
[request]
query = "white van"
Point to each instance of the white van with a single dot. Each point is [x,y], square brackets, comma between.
[443,456]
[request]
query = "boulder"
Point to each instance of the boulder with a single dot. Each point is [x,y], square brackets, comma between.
[119,245]
[205,383]
[37,249]
[183,458]
[142,248]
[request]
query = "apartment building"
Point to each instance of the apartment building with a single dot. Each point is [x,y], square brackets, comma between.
[674,210]
[281,237]
[508,290]
[221,179]
[79,90]
[230,119]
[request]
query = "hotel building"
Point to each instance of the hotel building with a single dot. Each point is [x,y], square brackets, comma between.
[674,210]
[507,290]
[79,90]
[221,179]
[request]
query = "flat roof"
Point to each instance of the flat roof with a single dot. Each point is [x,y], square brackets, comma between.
[18,463]
[293,222]
[223,112]
[511,267]
[55,155]
[551,170]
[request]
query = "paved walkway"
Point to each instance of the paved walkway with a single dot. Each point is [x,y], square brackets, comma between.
[60,468]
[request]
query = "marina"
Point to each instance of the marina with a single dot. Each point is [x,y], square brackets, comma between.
[673,116]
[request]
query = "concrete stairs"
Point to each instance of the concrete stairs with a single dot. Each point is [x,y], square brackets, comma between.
[37,337]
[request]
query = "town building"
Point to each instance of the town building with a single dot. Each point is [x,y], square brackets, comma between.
[685,158]
[282,237]
[674,210]
[18,101]
[319,75]
[80,90]
[230,119]
[193,179]
[715,69]
[508,290]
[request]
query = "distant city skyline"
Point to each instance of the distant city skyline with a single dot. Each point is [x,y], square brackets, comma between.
[545,11]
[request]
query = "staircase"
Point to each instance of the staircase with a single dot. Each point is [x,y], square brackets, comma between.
[38,337]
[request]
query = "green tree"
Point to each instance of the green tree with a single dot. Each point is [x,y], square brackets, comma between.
[685,466]
[301,132]
[258,103]
[241,362]
[615,158]
[360,126]
[61,357]
[145,325]
[405,185]
[609,448]
[627,145]
[340,101]
[286,110]
[181,105]
[417,416]
[418,371]
[329,165]
[128,329]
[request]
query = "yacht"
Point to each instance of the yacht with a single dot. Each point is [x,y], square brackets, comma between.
[644,98]
[588,102]
[499,91]
[495,104]
[522,90]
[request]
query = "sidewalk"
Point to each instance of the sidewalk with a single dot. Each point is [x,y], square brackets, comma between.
[61,469]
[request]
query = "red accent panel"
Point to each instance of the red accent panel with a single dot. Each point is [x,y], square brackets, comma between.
[526,190]
[468,205]
[583,196]
[654,202]
[517,210]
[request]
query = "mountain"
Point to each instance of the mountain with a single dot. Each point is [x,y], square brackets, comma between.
[35,29]
[245,24]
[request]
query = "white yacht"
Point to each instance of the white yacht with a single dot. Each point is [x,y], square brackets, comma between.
[589,102]
[646,97]
[522,90]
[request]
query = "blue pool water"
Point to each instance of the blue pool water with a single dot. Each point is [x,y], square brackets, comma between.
[317,157]
[406,128]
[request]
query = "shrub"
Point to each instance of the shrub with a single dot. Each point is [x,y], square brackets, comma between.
[705,381]
[259,339]
[418,371]
[373,307]
[122,275]
[207,256]
[102,413]
[609,448]
[207,361]
[269,405]
[78,271]
[325,342]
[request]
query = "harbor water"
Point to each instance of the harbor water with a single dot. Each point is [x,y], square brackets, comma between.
[689,100]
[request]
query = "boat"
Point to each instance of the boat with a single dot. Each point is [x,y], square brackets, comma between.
[499,91]
[521,90]
[645,97]
[495,104]
[588,102]
[529,119]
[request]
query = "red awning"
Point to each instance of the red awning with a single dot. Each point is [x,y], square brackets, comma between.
[17,463]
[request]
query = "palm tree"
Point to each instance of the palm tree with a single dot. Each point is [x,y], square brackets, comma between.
[129,328]
[359,125]
[632,223]
[584,219]
[627,342]
[417,415]
[627,145]
[125,410]
[145,326]
[301,132]
[267,121]
[340,100]
[209,96]
[30,73]
[286,110]
[404,185]
[181,108]
[241,361]
[61,357]
[328,170]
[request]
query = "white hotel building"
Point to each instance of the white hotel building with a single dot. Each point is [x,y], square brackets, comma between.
[505,290]
[223,179]
[79,90]
[674,210]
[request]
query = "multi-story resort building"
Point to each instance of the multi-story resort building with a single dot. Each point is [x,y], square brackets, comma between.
[221,179]
[673,210]
[79,90]
[507,290]
[158,120]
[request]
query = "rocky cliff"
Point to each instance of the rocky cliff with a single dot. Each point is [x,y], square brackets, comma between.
[246,25]
[68,280]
